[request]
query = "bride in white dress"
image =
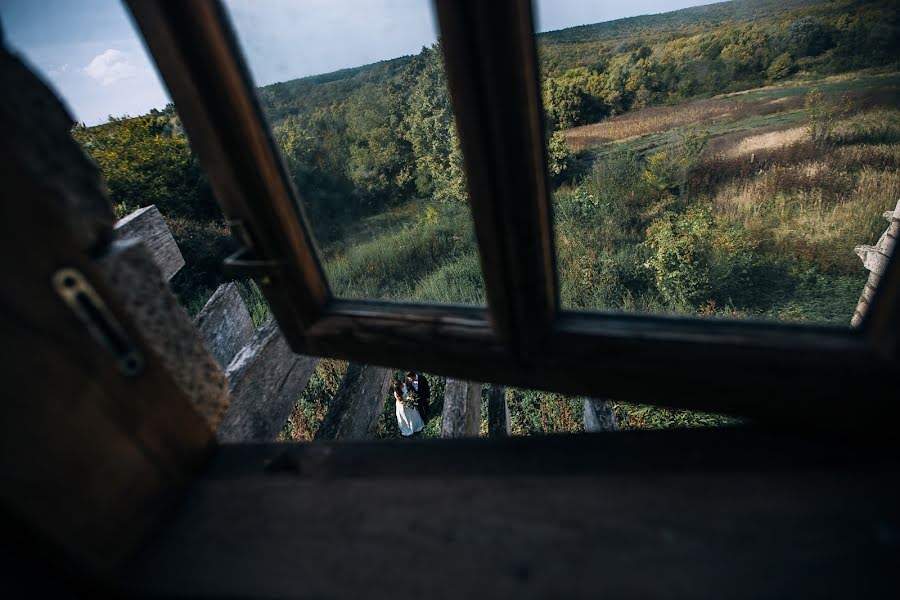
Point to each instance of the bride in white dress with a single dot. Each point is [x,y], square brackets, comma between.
[408,418]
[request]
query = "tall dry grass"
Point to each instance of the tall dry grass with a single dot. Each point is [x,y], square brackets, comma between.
[815,223]
[663,118]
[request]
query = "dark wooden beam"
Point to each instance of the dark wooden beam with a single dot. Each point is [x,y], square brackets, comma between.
[199,59]
[355,408]
[491,66]
[699,514]
[784,373]
[98,437]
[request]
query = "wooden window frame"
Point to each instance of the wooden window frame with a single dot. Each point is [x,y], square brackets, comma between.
[763,370]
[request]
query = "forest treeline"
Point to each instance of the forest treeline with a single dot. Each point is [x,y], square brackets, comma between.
[360,140]
[648,222]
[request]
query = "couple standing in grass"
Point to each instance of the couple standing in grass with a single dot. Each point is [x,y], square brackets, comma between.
[411,399]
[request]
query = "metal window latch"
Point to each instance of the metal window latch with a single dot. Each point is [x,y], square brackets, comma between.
[77,292]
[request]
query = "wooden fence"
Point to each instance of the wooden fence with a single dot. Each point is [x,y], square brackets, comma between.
[255,377]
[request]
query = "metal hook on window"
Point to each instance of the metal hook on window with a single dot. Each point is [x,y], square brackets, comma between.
[88,306]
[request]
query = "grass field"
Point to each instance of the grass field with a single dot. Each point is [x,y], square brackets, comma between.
[723,207]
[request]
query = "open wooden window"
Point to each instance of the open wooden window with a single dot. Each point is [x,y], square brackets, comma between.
[522,338]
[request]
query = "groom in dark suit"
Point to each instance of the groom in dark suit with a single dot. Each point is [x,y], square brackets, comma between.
[421,392]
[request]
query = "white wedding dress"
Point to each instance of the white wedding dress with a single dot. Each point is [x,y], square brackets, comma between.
[408,418]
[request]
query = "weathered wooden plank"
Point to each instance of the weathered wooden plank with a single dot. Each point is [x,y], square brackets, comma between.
[354,411]
[599,415]
[136,279]
[872,258]
[691,514]
[876,259]
[91,456]
[147,225]
[266,379]
[37,126]
[225,323]
[865,299]
[462,409]
[498,412]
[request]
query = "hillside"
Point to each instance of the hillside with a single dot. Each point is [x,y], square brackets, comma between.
[675,23]
[720,161]
[304,95]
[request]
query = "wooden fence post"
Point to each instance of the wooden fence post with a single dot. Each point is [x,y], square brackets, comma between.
[225,324]
[356,406]
[147,225]
[462,409]
[498,412]
[133,273]
[599,415]
[875,260]
[266,380]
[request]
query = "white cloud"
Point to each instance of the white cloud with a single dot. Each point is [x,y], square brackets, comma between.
[111,66]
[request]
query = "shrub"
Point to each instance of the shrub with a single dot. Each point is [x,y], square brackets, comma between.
[559,157]
[781,67]
[681,255]
[822,116]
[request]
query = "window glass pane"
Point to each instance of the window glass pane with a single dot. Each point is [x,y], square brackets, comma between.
[357,100]
[721,160]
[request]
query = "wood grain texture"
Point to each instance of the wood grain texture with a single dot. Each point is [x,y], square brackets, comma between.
[780,372]
[683,514]
[876,260]
[461,416]
[266,380]
[599,415]
[89,457]
[147,225]
[491,64]
[133,274]
[225,323]
[356,406]
[498,412]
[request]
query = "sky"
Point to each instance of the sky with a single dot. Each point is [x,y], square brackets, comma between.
[89,51]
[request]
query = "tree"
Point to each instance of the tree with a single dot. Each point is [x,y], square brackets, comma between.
[808,36]
[381,161]
[145,163]
[781,67]
[430,129]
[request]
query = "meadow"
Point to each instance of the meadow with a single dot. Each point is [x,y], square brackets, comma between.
[745,215]
[720,161]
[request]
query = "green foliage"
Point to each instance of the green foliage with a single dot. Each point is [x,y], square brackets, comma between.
[808,36]
[593,71]
[681,256]
[651,223]
[822,116]
[559,156]
[147,160]
[431,130]
[781,67]
[146,163]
